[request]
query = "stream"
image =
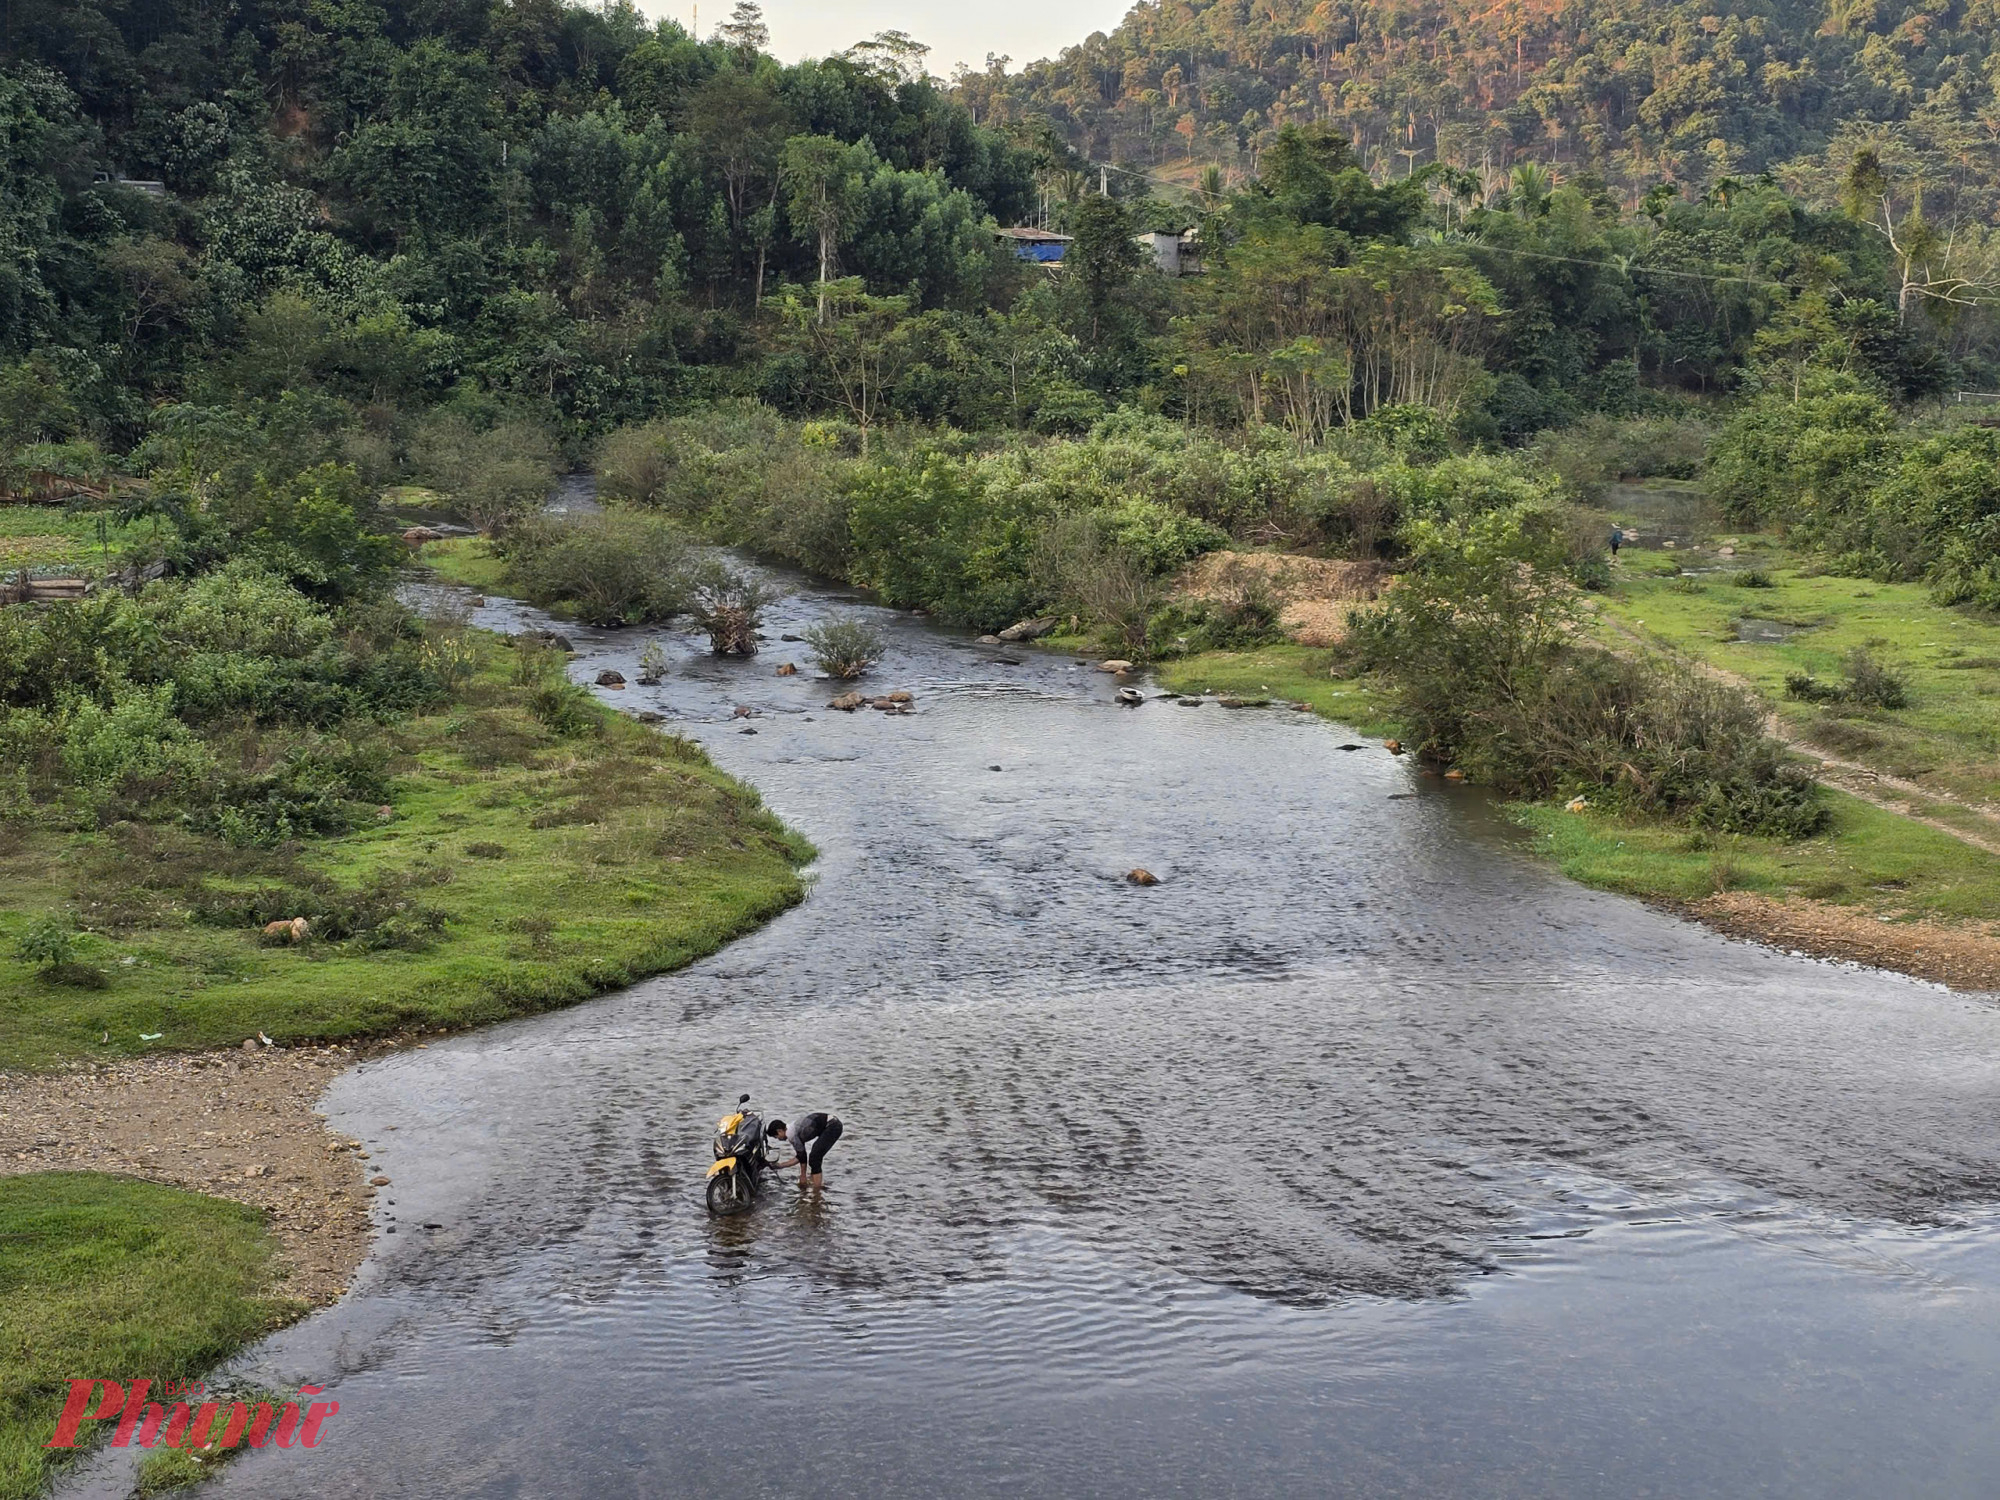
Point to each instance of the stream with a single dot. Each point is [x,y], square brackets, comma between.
[1363,1155]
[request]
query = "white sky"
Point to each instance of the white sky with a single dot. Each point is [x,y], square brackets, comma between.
[955,30]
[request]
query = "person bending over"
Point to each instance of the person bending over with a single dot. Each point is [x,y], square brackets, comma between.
[815,1136]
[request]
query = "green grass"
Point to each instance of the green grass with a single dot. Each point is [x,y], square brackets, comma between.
[106,1278]
[1870,859]
[565,867]
[46,535]
[468,560]
[1303,674]
[1948,737]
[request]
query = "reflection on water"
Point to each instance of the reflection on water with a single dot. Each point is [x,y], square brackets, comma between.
[1359,1156]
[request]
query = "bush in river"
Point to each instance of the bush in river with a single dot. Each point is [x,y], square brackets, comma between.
[608,568]
[845,648]
[729,606]
[1481,639]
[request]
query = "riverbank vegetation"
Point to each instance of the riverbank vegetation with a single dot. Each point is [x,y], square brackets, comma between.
[442,258]
[111,1278]
[449,830]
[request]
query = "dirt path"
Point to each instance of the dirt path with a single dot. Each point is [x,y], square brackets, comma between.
[238,1125]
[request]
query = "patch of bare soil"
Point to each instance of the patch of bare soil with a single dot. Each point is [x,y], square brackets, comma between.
[1966,957]
[1313,592]
[238,1125]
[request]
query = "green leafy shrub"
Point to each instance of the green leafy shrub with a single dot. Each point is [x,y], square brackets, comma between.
[845,648]
[47,942]
[609,568]
[1480,638]
[1868,684]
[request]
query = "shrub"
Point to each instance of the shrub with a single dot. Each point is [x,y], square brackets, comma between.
[47,942]
[1869,684]
[1480,639]
[1752,578]
[652,663]
[608,568]
[845,648]
[729,606]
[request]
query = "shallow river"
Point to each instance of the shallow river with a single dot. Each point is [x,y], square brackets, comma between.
[1360,1156]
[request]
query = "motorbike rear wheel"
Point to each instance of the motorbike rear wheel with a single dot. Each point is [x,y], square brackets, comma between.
[729,1192]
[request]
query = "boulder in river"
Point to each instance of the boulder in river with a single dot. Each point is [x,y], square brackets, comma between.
[847,703]
[1114,664]
[989,640]
[1454,774]
[1394,747]
[900,696]
[416,536]
[547,638]
[791,637]
[1028,630]
[1142,877]
[789,669]
[610,679]
[1192,702]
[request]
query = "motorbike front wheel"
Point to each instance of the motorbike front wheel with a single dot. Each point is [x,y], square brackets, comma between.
[729,1192]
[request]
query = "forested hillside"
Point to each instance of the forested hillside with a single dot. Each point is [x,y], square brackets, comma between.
[1642,91]
[548,203]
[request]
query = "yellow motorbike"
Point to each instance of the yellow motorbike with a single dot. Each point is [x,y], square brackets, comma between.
[740,1160]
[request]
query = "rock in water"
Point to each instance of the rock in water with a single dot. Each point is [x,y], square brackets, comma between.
[1454,774]
[1394,747]
[1115,664]
[416,536]
[789,669]
[1142,877]
[1028,630]
[610,679]
[899,696]
[989,640]
[847,703]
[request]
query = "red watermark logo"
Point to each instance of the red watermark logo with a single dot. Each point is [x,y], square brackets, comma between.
[201,1424]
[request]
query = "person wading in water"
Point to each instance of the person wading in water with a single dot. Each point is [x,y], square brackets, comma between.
[816,1134]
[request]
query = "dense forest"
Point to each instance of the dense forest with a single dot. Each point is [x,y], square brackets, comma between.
[1640,91]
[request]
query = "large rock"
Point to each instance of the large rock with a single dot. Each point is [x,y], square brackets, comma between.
[610,679]
[847,703]
[543,638]
[1142,877]
[416,536]
[1028,630]
[1115,664]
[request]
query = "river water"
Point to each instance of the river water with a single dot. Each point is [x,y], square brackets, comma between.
[1360,1156]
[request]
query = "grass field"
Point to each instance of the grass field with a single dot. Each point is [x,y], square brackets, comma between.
[1949,735]
[110,1279]
[34,536]
[520,870]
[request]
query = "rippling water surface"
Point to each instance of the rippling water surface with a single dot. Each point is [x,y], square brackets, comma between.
[1361,1155]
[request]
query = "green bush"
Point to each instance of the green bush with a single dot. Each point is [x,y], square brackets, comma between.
[1869,684]
[1480,637]
[46,943]
[845,648]
[609,568]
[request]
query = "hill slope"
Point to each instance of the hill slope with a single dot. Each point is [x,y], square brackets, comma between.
[1640,90]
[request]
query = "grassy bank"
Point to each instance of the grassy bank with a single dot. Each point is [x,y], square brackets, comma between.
[515,869]
[1947,737]
[108,1278]
[466,560]
[1302,674]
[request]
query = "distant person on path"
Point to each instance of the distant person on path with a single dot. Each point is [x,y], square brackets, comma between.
[1617,541]
[816,1134]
